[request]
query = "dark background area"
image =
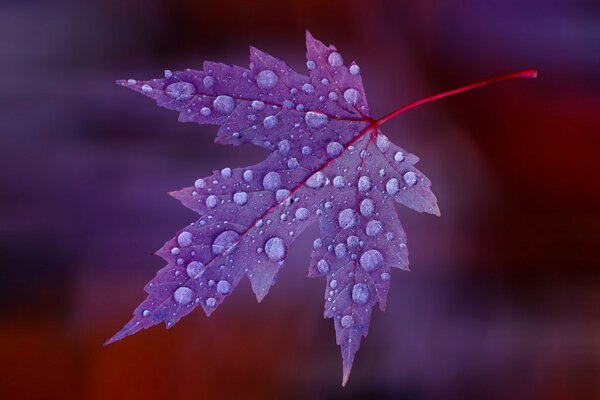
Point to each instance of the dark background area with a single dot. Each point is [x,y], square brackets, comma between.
[503,300]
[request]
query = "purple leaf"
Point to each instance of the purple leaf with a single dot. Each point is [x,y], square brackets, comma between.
[329,163]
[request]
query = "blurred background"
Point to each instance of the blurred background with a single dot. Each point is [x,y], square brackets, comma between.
[503,300]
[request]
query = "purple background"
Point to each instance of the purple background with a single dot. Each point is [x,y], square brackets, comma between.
[503,300]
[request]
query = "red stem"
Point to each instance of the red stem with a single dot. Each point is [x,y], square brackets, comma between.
[527,73]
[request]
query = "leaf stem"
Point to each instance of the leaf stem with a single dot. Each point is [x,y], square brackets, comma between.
[527,73]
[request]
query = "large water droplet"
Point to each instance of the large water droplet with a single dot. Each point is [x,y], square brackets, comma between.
[315,119]
[293,163]
[224,242]
[367,207]
[383,142]
[184,239]
[323,266]
[352,241]
[347,218]
[340,250]
[275,249]
[208,82]
[352,96]
[240,198]
[272,181]
[399,156]
[258,105]
[354,69]
[308,88]
[316,180]
[334,149]
[364,184]
[285,146]
[205,111]
[226,172]
[270,122]
[347,321]
[224,104]
[211,302]
[371,260]
[301,214]
[311,65]
[410,178]
[360,293]
[211,201]
[391,186]
[224,287]
[374,228]
[248,175]
[339,182]
[281,194]
[317,243]
[180,90]
[306,150]
[200,184]
[385,276]
[267,79]
[335,59]
[183,295]
[195,269]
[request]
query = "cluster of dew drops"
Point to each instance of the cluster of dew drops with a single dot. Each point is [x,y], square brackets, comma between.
[275,248]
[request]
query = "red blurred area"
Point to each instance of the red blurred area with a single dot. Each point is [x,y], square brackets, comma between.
[503,295]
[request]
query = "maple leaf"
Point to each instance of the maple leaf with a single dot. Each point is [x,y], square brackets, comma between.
[329,163]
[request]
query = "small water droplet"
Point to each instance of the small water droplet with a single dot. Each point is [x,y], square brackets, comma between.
[323,266]
[211,201]
[282,194]
[371,260]
[224,287]
[183,295]
[334,149]
[347,218]
[226,172]
[347,321]
[339,182]
[211,302]
[224,104]
[146,88]
[168,73]
[184,239]
[293,163]
[410,178]
[308,88]
[311,65]
[208,82]
[267,79]
[275,249]
[367,207]
[240,198]
[302,214]
[333,96]
[258,105]
[333,284]
[364,184]
[316,180]
[205,111]
[341,250]
[306,150]
[383,142]
[399,156]
[352,241]
[180,90]
[374,228]
[285,146]
[317,243]
[195,269]
[224,242]
[352,96]
[272,181]
[248,175]
[385,276]
[315,119]
[360,293]
[146,313]
[335,59]
[391,186]
[270,122]
[354,69]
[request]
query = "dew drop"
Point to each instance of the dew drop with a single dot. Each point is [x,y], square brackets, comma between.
[316,180]
[183,295]
[293,163]
[224,242]
[354,69]
[272,181]
[360,293]
[270,122]
[208,82]
[333,284]
[339,182]
[335,59]
[347,321]
[240,198]
[195,269]
[371,260]
[352,241]
[211,201]
[285,146]
[374,228]
[248,175]
[302,214]
[383,142]
[367,207]
[146,313]
[226,172]
[168,73]
[224,104]
[205,111]
[364,184]
[306,150]
[410,178]
[333,96]
[224,287]
[308,88]
[311,65]
[184,239]
[146,88]
[341,250]
[200,184]
[334,149]
[281,194]
[347,218]
[315,119]
[385,276]
[323,266]
[352,96]
[399,156]
[275,249]
[266,79]
[391,186]
[211,302]
[258,105]
[180,90]
[317,243]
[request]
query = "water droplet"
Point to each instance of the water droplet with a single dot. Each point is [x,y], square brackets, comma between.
[195,269]
[293,163]
[285,146]
[146,88]
[270,122]
[211,302]
[146,313]
[360,293]
[267,79]
[311,65]
[339,182]
[383,142]
[205,111]
[367,207]
[354,69]
[306,150]
[323,266]
[371,260]
[248,175]
[175,251]
[352,241]
[302,214]
[240,198]
[287,104]
[334,149]
[281,194]
[333,284]
[184,239]
[399,156]
[200,183]
[347,321]
[347,218]
[180,90]
[389,236]
[226,172]
[410,178]
[315,119]
[318,243]
[352,96]
[211,201]
[224,242]
[308,88]
[208,81]
[385,276]
[333,96]
[131,82]
[391,186]
[168,73]
[374,228]
[275,249]
[272,181]
[341,250]
[316,180]
[183,295]
[258,105]
[335,59]
[224,104]
[364,184]
[224,287]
